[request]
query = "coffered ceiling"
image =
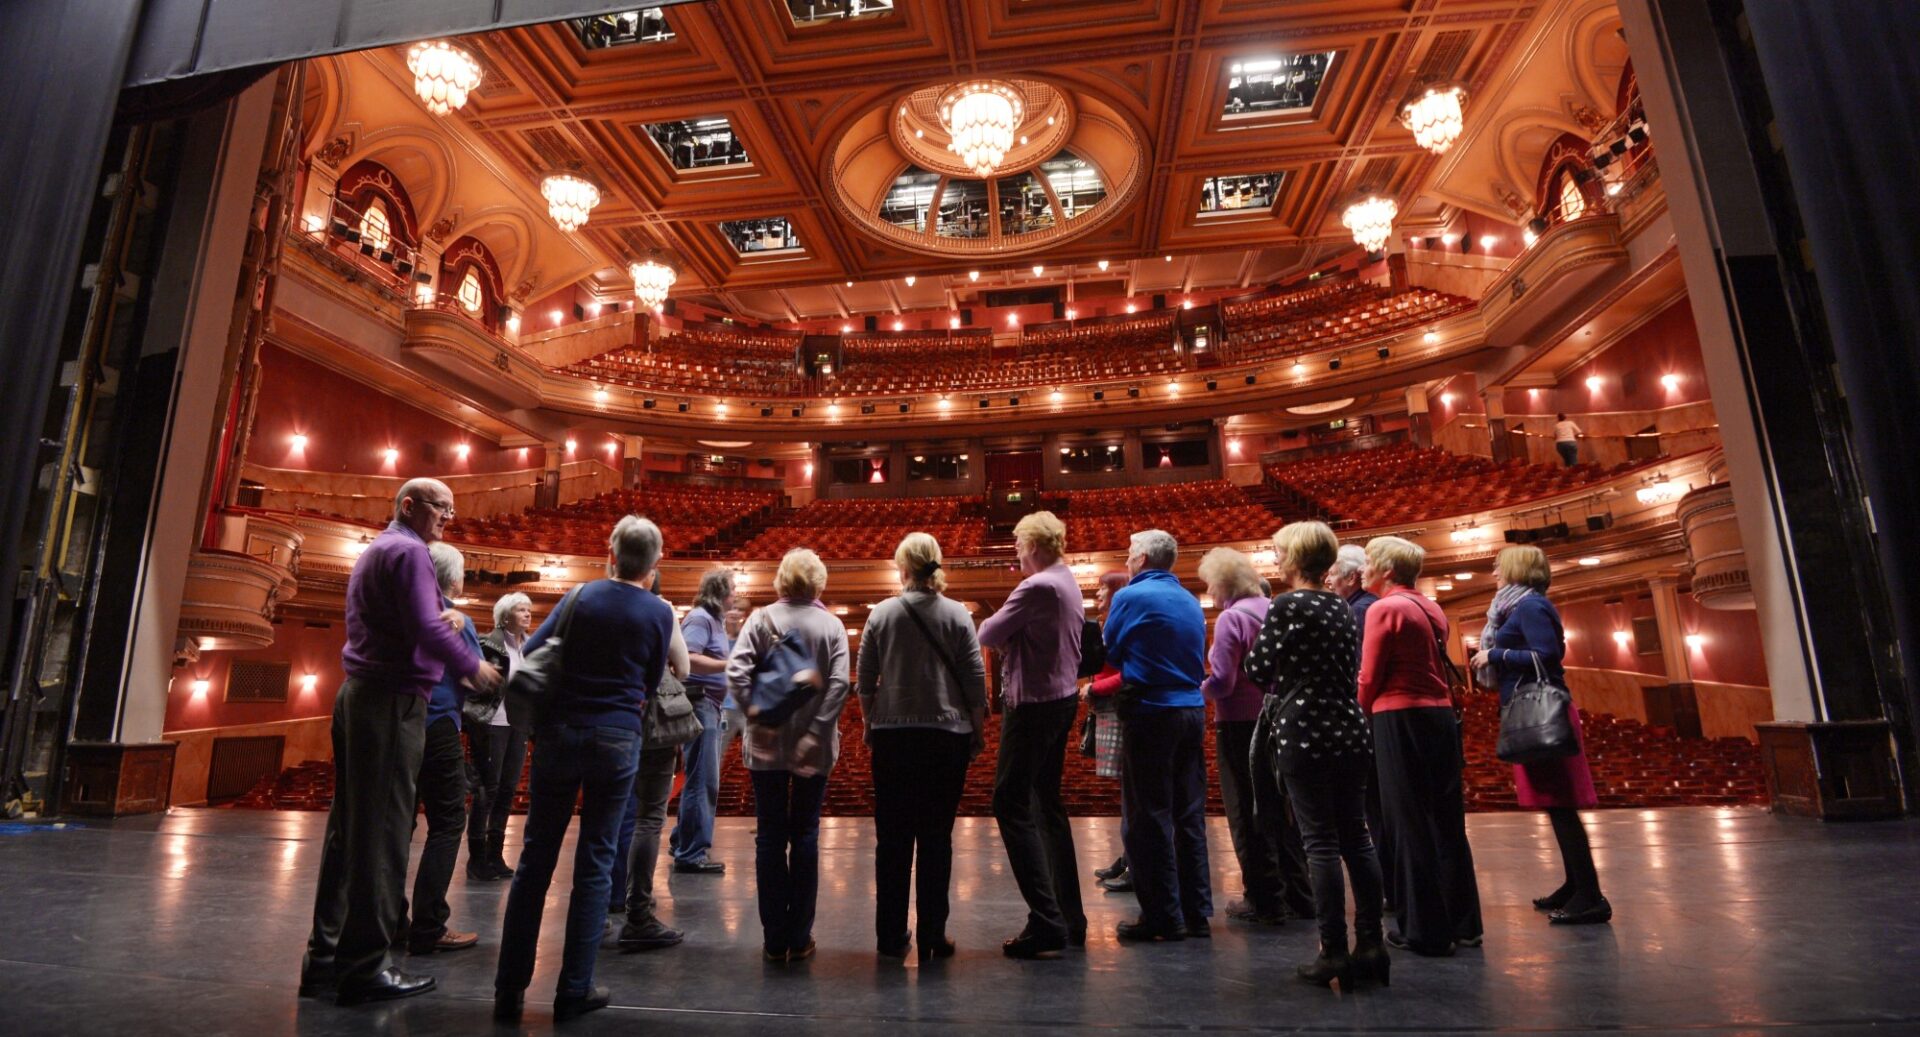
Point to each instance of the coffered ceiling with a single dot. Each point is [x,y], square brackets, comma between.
[1156,70]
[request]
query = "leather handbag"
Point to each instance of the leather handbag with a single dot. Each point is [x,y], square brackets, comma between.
[541,668]
[1536,724]
[1093,649]
[776,692]
[671,719]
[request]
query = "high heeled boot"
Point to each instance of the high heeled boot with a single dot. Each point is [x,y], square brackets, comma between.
[1333,963]
[1370,961]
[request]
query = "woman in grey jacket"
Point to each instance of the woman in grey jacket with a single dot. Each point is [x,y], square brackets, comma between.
[790,763]
[923,692]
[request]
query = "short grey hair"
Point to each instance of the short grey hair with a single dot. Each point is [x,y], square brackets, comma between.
[449,565]
[636,545]
[1157,546]
[1348,563]
[506,604]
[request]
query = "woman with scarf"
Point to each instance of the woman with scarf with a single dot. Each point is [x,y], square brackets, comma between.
[1523,640]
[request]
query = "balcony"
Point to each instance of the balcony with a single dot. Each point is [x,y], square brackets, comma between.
[1563,272]
[486,366]
[235,587]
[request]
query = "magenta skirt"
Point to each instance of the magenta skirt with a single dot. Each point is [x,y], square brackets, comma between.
[1565,782]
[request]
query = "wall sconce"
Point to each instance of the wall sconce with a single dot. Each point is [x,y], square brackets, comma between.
[461,450]
[391,455]
[200,688]
[308,682]
[1593,383]
[572,445]
[1621,637]
[1696,641]
[299,441]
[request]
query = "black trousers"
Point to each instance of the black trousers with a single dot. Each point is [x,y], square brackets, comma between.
[499,754]
[1031,815]
[1165,775]
[637,849]
[1435,894]
[1273,866]
[360,906]
[1331,806]
[918,776]
[442,785]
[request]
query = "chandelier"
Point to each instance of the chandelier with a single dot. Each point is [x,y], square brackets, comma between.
[569,199]
[981,118]
[443,75]
[652,280]
[1370,218]
[1435,117]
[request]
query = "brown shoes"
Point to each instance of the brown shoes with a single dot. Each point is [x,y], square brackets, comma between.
[449,941]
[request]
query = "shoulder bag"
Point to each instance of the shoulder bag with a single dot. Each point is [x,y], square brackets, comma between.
[1093,649]
[541,668]
[671,719]
[1536,723]
[479,707]
[776,693]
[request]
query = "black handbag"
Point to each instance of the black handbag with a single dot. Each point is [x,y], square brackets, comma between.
[776,693]
[542,667]
[1093,649]
[1536,724]
[671,719]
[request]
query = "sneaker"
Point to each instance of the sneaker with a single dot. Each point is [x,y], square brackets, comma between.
[1121,883]
[649,935]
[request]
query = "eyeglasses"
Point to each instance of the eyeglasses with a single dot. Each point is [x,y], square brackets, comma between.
[444,509]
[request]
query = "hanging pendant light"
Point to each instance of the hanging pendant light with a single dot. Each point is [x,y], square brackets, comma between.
[652,280]
[1370,218]
[443,75]
[981,119]
[569,199]
[1436,115]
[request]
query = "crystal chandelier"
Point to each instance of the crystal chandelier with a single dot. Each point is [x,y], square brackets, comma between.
[652,280]
[981,118]
[1435,116]
[443,75]
[569,199]
[1370,218]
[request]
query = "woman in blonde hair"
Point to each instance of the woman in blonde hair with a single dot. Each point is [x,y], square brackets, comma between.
[923,694]
[1314,738]
[790,763]
[1523,640]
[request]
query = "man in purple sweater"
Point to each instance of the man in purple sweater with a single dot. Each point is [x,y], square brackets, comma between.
[400,644]
[1037,634]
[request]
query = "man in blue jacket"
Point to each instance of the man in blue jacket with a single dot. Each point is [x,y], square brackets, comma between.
[1157,636]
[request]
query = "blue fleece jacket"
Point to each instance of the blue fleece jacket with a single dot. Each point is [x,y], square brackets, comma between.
[1157,636]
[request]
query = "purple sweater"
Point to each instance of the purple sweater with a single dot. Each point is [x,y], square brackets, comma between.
[394,632]
[1038,633]
[1233,694]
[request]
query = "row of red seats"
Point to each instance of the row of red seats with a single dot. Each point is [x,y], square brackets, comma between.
[686,515]
[1400,483]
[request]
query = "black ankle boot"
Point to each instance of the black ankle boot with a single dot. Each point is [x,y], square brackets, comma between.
[1370,961]
[1333,963]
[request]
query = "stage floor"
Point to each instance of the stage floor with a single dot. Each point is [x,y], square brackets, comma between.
[1727,921]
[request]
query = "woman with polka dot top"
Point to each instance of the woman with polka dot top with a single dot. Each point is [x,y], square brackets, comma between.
[1312,733]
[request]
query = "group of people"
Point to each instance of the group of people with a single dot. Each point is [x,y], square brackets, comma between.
[1334,713]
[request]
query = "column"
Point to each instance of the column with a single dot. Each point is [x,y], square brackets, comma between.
[547,494]
[1419,425]
[633,468]
[1675,704]
[1495,401]
[1216,450]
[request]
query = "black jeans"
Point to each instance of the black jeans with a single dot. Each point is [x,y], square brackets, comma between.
[1435,894]
[637,850]
[1273,867]
[591,766]
[360,907]
[442,786]
[786,855]
[1165,775]
[1331,807]
[1031,815]
[499,752]
[918,776]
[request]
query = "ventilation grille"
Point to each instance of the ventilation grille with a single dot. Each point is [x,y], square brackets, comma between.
[1445,56]
[238,764]
[258,681]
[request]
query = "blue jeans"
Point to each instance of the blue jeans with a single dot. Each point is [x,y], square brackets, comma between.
[786,858]
[700,796]
[1165,777]
[596,765]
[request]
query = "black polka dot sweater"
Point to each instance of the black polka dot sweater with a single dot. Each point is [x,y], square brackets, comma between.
[1307,657]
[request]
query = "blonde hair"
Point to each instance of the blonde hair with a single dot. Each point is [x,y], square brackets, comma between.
[1525,566]
[1232,572]
[918,559]
[1044,531]
[1308,548]
[1399,558]
[802,575]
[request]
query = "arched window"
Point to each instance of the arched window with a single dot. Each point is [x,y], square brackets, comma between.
[469,293]
[375,229]
[1572,203]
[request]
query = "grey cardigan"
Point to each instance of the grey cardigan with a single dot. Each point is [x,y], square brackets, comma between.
[778,748]
[903,682]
